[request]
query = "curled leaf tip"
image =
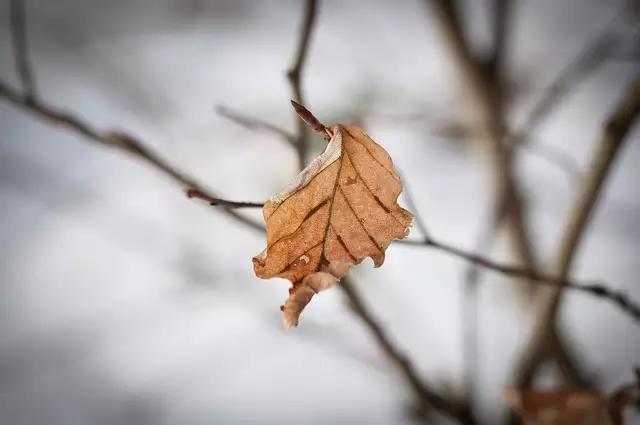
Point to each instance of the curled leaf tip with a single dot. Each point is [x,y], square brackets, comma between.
[311,120]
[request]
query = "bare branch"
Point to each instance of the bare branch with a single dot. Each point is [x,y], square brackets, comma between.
[121,141]
[613,137]
[417,385]
[598,289]
[18,24]
[294,74]
[256,124]
[195,193]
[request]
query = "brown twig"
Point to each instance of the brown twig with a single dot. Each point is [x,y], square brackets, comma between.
[20,43]
[256,124]
[583,208]
[121,141]
[422,391]
[294,75]
[597,289]
[311,121]
[196,193]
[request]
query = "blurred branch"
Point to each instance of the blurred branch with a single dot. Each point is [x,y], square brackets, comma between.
[613,136]
[256,124]
[21,48]
[455,130]
[486,96]
[420,389]
[483,83]
[488,114]
[554,156]
[501,21]
[585,63]
[577,70]
[294,75]
[123,142]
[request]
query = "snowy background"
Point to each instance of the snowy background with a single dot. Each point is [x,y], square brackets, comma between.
[123,302]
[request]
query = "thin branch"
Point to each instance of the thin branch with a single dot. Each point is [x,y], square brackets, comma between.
[214,202]
[294,74]
[20,46]
[581,212]
[256,124]
[418,386]
[597,289]
[121,141]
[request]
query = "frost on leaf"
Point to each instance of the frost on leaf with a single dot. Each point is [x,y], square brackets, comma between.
[339,210]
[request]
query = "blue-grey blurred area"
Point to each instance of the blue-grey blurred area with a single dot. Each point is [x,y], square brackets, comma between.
[124,302]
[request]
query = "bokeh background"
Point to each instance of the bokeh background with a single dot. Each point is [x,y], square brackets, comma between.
[123,302]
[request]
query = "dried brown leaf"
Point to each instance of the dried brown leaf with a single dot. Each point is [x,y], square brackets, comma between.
[339,210]
[572,406]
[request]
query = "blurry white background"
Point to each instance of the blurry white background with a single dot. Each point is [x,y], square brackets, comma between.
[123,302]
